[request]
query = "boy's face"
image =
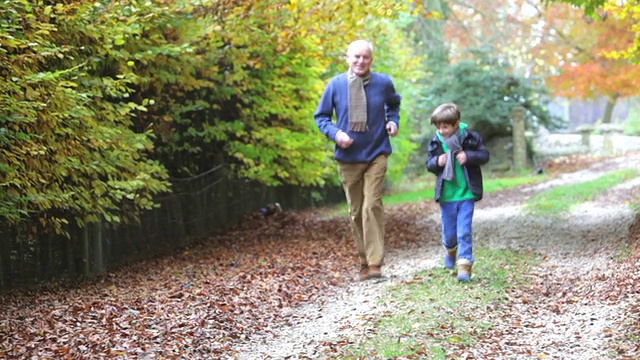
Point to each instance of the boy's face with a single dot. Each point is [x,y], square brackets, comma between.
[447,130]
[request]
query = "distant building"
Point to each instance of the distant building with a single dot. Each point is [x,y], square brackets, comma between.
[578,112]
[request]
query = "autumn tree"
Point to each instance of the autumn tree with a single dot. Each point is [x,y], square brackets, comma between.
[67,150]
[478,57]
[629,11]
[242,85]
[102,101]
[576,51]
[486,90]
[505,26]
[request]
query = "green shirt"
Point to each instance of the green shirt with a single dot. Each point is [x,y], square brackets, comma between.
[457,189]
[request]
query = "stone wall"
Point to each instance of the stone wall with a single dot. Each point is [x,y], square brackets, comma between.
[545,145]
[608,140]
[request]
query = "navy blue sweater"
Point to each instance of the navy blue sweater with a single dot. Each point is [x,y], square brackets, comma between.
[383,104]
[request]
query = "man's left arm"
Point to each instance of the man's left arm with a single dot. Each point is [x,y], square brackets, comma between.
[392,109]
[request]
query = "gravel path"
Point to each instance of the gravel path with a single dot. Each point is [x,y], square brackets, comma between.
[576,246]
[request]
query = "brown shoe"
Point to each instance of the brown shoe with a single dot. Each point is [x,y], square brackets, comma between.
[464,270]
[375,271]
[364,272]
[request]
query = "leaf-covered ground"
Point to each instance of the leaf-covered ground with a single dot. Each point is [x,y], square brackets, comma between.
[195,304]
[203,301]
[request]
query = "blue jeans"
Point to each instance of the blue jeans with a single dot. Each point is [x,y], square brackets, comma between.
[457,217]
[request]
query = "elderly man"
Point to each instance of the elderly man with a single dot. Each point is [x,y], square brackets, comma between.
[366,108]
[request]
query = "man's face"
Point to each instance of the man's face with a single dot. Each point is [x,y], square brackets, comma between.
[359,58]
[447,130]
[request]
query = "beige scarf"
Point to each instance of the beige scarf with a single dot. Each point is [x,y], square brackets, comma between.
[357,102]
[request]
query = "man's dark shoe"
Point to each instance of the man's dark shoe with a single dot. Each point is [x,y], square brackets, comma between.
[364,272]
[375,272]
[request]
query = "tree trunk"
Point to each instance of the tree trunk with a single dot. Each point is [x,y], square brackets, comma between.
[608,110]
[519,141]
[86,261]
[5,258]
[69,248]
[98,251]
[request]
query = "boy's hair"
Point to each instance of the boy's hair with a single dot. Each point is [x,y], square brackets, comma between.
[447,113]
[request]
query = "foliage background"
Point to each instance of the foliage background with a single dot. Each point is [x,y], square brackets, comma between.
[106,103]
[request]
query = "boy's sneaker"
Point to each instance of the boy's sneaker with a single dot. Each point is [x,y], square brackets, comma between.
[450,259]
[464,270]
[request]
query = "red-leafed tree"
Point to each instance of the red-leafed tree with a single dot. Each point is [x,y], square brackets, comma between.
[574,50]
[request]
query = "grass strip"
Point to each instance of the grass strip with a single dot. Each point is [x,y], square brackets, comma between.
[559,200]
[425,192]
[489,184]
[433,312]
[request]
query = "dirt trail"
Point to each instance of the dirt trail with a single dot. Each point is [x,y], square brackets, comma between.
[574,308]
[567,316]
[285,287]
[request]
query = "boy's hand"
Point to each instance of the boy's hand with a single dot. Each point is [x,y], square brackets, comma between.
[442,160]
[461,157]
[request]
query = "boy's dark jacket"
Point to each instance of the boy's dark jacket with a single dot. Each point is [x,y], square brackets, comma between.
[477,154]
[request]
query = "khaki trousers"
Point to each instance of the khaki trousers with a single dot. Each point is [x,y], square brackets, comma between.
[362,183]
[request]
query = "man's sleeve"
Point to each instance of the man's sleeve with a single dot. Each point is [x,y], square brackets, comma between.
[324,113]
[393,100]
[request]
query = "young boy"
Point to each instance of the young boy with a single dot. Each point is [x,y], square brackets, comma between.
[455,156]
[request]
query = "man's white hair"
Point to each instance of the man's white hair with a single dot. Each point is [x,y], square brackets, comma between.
[360,42]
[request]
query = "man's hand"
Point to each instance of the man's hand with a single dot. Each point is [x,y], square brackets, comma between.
[343,140]
[392,128]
